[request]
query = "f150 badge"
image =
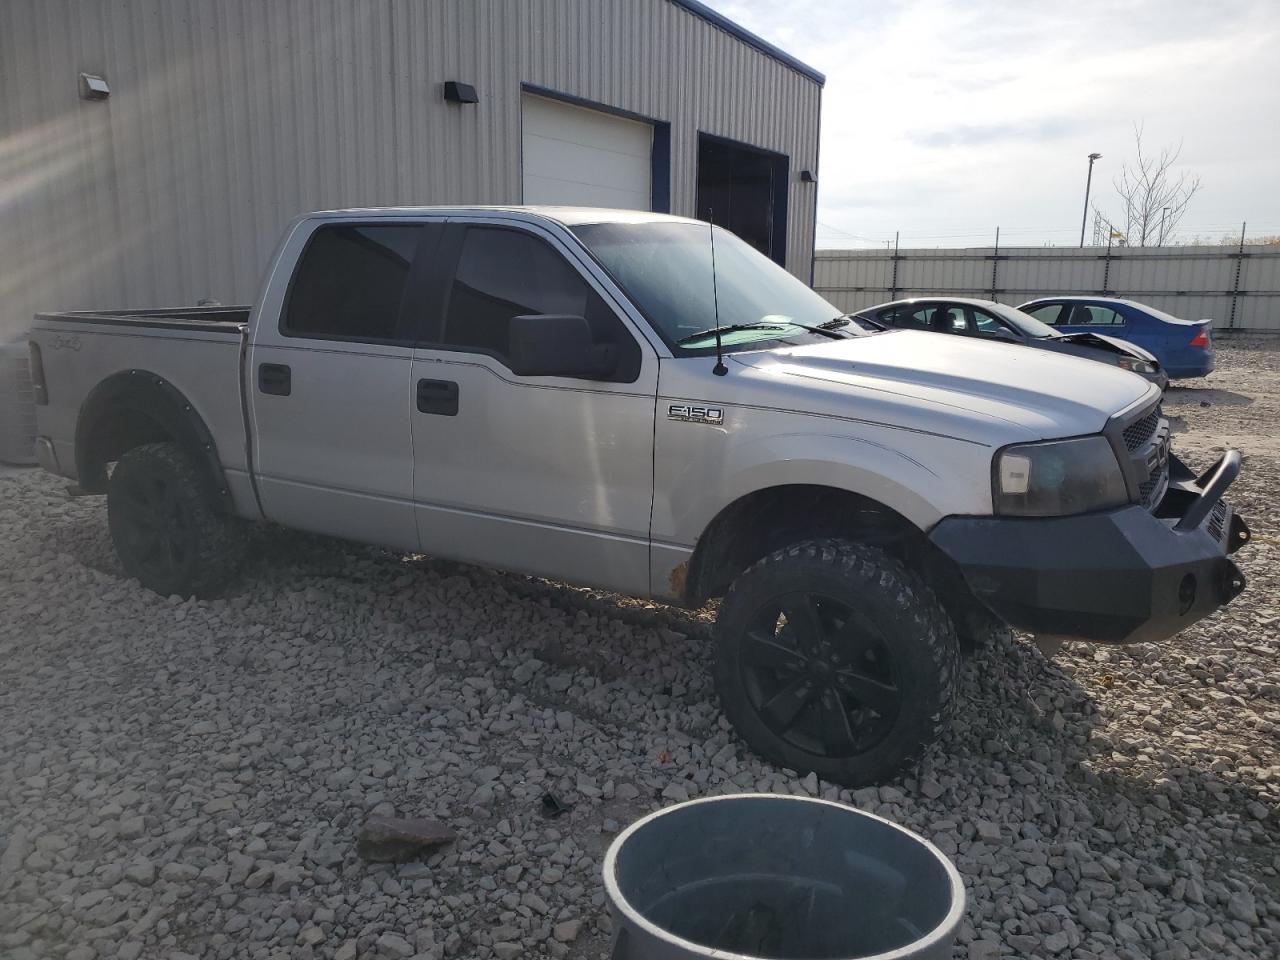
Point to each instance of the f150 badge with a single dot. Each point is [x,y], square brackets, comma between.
[695,413]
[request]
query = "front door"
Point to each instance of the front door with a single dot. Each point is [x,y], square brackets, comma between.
[330,385]
[544,475]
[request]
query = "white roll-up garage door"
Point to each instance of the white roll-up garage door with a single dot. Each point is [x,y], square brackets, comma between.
[582,157]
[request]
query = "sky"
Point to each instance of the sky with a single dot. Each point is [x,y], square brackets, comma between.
[943,119]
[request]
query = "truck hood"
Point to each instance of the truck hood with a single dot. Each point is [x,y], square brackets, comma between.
[971,389]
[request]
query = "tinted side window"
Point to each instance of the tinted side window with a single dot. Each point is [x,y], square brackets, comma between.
[938,317]
[949,320]
[889,317]
[350,281]
[506,273]
[1046,313]
[917,319]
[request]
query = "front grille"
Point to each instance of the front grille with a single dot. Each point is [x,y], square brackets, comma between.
[1149,490]
[1138,433]
[1145,458]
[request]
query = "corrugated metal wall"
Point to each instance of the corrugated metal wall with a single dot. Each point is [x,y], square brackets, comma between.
[1238,290]
[228,117]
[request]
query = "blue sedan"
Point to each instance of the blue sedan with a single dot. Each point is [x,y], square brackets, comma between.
[1183,347]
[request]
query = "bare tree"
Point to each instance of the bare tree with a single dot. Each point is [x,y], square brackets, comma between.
[1153,196]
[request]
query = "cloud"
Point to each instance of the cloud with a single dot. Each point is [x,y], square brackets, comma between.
[966,135]
[947,117]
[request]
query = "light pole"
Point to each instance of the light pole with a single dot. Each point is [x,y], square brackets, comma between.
[1163,211]
[1088,182]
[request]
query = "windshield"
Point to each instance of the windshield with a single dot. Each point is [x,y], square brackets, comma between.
[665,268]
[1026,323]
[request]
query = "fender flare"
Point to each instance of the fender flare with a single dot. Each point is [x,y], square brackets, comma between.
[151,397]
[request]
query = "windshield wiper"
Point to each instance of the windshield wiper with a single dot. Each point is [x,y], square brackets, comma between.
[732,328]
[826,329]
[847,318]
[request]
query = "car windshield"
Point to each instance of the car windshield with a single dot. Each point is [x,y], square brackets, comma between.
[665,267]
[1026,323]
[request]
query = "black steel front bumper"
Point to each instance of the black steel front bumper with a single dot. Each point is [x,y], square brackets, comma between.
[1126,575]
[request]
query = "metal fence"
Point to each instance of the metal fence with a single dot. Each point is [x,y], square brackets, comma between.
[1237,287]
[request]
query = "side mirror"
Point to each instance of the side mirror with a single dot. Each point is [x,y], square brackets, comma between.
[559,345]
[1002,333]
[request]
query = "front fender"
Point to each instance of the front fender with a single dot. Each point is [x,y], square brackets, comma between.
[922,477]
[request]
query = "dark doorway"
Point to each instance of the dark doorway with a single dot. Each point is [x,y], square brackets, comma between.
[744,189]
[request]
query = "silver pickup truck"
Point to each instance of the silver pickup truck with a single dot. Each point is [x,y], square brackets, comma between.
[646,404]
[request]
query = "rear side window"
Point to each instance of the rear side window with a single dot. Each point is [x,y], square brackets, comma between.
[504,273]
[350,283]
[1083,315]
[938,317]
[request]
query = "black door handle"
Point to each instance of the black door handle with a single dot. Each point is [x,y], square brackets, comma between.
[275,378]
[439,397]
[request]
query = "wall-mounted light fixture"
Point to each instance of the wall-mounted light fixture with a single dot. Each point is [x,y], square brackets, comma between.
[93,87]
[455,91]
[806,176]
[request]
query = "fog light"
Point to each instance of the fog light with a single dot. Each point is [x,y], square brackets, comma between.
[1186,593]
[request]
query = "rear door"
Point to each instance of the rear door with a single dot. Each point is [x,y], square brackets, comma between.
[545,475]
[330,382]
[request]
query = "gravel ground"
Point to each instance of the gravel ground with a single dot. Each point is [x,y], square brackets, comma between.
[187,779]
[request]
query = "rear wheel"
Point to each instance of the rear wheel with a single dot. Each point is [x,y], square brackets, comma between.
[832,657]
[165,530]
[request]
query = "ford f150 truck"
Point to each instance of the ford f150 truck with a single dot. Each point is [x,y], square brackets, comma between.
[647,404]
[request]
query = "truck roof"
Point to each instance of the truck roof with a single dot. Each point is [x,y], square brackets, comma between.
[568,216]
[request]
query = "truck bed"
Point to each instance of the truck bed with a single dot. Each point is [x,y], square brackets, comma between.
[189,356]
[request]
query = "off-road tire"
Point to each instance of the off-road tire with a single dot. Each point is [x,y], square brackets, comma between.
[863,589]
[166,530]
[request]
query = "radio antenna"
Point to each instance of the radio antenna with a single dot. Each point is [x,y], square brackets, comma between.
[719,369]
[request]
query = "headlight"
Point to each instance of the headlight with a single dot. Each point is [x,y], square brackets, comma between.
[1137,365]
[1057,477]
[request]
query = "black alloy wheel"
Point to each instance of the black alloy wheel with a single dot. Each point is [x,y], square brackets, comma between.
[820,674]
[833,657]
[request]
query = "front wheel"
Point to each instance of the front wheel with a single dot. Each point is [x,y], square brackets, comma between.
[165,530]
[832,657]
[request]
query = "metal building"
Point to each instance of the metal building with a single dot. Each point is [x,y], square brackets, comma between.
[151,151]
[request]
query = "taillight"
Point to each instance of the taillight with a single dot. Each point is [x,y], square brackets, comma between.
[39,392]
[1201,339]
